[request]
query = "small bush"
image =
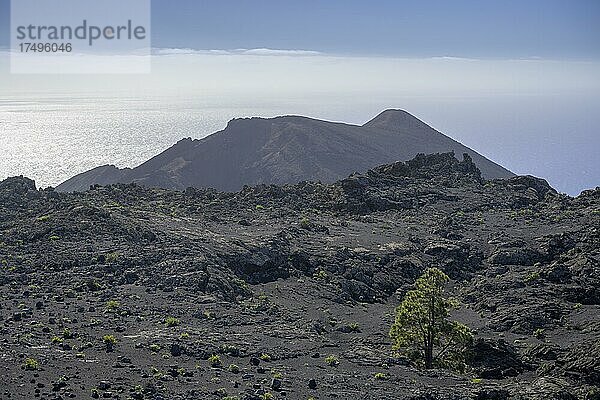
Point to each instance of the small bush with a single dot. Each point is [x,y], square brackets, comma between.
[109,341]
[265,357]
[304,223]
[539,333]
[112,257]
[154,348]
[354,327]
[31,364]
[381,376]
[321,275]
[215,361]
[56,340]
[67,334]
[332,360]
[112,305]
[531,277]
[234,368]
[171,322]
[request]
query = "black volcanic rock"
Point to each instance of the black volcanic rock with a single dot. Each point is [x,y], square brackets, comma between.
[201,305]
[283,150]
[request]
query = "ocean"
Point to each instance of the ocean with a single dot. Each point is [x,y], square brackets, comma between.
[50,138]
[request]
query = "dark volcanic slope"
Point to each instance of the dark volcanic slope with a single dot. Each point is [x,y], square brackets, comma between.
[297,273]
[285,150]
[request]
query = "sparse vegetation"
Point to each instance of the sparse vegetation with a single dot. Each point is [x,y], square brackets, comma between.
[354,327]
[112,305]
[112,257]
[332,360]
[539,333]
[31,364]
[233,368]
[305,223]
[109,341]
[265,357]
[422,330]
[171,322]
[214,361]
[154,348]
[56,340]
[381,376]
[532,276]
[321,275]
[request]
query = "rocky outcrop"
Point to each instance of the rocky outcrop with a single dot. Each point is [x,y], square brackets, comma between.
[132,291]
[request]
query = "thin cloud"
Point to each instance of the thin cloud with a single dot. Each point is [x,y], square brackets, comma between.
[253,52]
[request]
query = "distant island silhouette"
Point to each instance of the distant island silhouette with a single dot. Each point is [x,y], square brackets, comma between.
[285,149]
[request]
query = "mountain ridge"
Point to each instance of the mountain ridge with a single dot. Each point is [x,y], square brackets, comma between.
[285,149]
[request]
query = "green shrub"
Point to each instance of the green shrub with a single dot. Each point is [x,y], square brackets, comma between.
[56,340]
[67,334]
[332,360]
[304,223]
[539,333]
[109,339]
[265,357]
[215,361]
[277,375]
[321,275]
[31,364]
[234,368]
[112,305]
[354,327]
[109,342]
[112,257]
[381,376]
[533,276]
[154,348]
[171,322]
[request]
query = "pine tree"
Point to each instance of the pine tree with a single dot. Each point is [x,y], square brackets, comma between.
[422,330]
